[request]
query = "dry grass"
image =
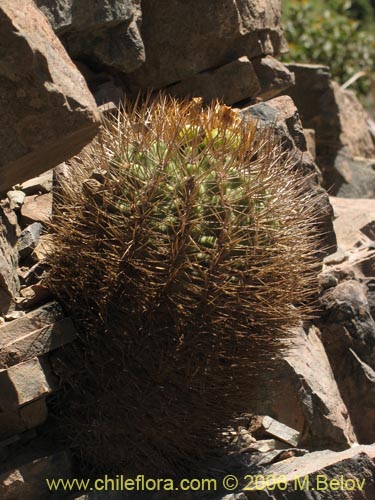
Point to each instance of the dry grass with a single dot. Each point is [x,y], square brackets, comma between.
[185,249]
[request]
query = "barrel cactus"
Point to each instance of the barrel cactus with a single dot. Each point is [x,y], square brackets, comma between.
[184,247]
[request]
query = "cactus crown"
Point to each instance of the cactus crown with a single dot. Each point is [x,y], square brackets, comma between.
[184,245]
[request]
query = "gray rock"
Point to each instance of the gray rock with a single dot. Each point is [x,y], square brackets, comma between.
[230,83]
[28,239]
[105,32]
[48,114]
[353,177]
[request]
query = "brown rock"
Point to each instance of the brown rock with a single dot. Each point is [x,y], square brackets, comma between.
[24,383]
[310,141]
[37,208]
[320,475]
[22,419]
[38,185]
[35,320]
[273,75]
[344,144]
[230,83]
[348,334]
[350,216]
[9,283]
[34,295]
[36,342]
[28,481]
[48,114]
[183,39]
[308,398]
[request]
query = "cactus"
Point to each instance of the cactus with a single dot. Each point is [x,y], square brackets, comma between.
[184,247]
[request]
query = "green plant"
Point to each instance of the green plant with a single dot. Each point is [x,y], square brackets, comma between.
[330,36]
[184,247]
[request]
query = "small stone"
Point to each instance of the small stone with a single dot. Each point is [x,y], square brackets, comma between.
[327,280]
[28,239]
[16,199]
[37,185]
[33,296]
[263,445]
[11,316]
[280,431]
[37,208]
[336,258]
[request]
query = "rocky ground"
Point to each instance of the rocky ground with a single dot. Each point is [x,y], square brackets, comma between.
[320,418]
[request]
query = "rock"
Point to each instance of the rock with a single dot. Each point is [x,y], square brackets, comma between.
[347,475]
[310,400]
[48,114]
[369,228]
[28,239]
[16,199]
[343,139]
[24,383]
[280,431]
[36,342]
[310,141]
[307,397]
[37,208]
[102,33]
[107,93]
[350,216]
[282,114]
[327,280]
[273,75]
[43,248]
[183,39]
[28,480]
[354,177]
[33,296]
[38,185]
[231,83]
[348,334]
[14,315]
[335,258]
[9,282]
[22,419]
[37,319]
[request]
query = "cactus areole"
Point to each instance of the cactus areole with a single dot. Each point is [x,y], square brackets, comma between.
[184,247]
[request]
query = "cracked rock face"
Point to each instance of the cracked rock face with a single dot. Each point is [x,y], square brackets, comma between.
[182,39]
[105,32]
